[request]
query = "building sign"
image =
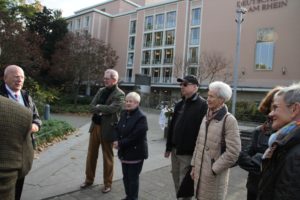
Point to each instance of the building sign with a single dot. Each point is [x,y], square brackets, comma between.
[262,5]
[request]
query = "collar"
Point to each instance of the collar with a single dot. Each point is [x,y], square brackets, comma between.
[192,98]
[219,114]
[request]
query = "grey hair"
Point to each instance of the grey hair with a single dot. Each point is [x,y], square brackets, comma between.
[134,96]
[113,74]
[223,90]
[10,68]
[291,94]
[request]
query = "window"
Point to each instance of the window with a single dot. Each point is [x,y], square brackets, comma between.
[78,24]
[145,71]
[158,38]
[87,21]
[195,36]
[130,59]
[148,23]
[146,57]
[155,75]
[193,55]
[168,56]
[196,13]
[133,27]
[159,21]
[171,19]
[167,75]
[170,37]
[131,43]
[157,54]
[129,75]
[264,51]
[192,71]
[70,26]
[148,40]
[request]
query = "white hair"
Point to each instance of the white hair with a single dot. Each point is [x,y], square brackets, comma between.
[13,68]
[135,96]
[223,90]
[291,94]
[113,74]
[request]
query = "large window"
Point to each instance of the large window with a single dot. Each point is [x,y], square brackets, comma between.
[264,51]
[155,75]
[146,57]
[159,21]
[148,40]
[129,75]
[70,26]
[167,75]
[158,38]
[86,21]
[193,55]
[171,19]
[131,43]
[157,54]
[196,13]
[195,36]
[170,37]
[78,24]
[169,54]
[130,59]
[148,23]
[146,71]
[133,27]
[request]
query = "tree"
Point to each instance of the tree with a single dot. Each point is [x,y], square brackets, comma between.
[212,66]
[17,45]
[80,60]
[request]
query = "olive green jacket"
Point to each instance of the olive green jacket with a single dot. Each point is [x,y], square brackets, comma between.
[110,112]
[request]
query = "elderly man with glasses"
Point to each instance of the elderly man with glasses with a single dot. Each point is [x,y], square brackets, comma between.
[105,107]
[184,128]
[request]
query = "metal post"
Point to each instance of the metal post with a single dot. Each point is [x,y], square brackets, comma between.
[47,112]
[240,11]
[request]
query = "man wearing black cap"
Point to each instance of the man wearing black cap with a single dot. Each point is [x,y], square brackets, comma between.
[184,128]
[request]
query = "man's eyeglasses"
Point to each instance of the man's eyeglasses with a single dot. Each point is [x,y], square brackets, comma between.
[185,84]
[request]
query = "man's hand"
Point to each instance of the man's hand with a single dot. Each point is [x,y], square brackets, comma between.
[95,109]
[34,128]
[116,144]
[167,154]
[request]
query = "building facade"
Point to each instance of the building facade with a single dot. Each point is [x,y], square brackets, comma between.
[169,39]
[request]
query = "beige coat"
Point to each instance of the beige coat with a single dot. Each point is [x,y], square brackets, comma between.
[206,160]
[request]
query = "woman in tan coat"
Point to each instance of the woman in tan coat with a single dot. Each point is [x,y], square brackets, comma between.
[214,154]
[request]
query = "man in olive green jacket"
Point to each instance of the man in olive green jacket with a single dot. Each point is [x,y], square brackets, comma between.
[16,150]
[106,107]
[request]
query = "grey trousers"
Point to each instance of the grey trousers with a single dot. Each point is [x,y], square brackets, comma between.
[180,165]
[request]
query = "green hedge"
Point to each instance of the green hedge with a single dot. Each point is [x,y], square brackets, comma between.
[52,129]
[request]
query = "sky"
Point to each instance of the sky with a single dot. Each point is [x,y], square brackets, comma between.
[68,7]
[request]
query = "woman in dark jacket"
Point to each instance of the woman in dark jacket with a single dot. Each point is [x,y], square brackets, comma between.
[132,144]
[250,158]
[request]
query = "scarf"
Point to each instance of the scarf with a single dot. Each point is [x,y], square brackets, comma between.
[282,137]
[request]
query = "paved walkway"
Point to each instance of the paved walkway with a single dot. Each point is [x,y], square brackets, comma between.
[59,170]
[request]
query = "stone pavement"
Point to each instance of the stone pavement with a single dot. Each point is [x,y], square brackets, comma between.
[59,170]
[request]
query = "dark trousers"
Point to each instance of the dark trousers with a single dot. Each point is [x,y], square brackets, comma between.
[131,174]
[19,188]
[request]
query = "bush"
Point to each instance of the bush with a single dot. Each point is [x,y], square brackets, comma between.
[52,129]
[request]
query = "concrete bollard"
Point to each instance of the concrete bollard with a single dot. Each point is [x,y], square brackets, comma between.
[47,112]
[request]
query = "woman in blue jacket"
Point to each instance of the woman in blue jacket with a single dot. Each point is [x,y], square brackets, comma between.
[132,144]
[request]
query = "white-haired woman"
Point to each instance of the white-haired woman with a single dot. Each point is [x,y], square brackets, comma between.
[132,144]
[218,146]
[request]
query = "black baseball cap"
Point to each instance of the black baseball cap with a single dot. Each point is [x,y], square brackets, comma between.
[189,79]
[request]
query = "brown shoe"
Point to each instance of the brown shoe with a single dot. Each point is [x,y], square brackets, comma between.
[85,185]
[106,189]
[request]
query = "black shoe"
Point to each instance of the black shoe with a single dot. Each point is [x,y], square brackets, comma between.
[85,185]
